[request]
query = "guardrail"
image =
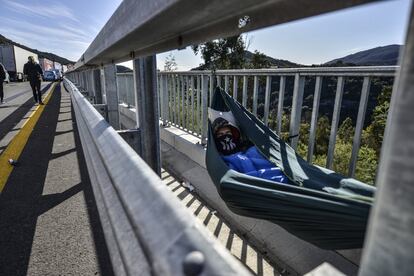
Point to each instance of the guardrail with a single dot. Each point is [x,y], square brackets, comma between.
[146,229]
[185,95]
[140,29]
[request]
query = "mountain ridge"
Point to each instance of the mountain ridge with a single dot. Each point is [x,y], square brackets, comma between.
[382,55]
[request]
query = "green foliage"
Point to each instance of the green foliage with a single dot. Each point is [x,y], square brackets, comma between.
[230,53]
[322,136]
[170,63]
[374,133]
[259,60]
[346,131]
[223,53]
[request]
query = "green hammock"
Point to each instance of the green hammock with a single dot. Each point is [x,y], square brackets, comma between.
[322,207]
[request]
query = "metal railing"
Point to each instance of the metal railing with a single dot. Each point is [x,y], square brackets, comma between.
[148,232]
[140,29]
[184,97]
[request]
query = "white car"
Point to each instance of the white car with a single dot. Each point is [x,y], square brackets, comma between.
[7,79]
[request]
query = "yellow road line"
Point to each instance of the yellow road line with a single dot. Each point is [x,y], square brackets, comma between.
[16,146]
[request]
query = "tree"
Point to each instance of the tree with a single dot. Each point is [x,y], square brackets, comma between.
[346,131]
[374,133]
[223,53]
[259,60]
[170,63]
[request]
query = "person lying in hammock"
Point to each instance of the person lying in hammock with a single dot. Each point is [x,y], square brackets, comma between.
[241,157]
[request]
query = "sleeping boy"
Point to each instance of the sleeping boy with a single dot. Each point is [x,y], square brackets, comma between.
[241,158]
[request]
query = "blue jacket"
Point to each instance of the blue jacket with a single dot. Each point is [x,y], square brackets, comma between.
[252,162]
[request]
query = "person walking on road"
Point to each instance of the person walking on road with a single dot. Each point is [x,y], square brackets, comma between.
[34,73]
[2,78]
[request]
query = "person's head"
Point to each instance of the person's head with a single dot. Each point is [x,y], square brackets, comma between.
[31,59]
[226,136]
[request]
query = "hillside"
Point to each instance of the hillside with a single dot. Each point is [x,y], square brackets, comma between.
[50,56]
[385,55]
[275,63]
[280,63]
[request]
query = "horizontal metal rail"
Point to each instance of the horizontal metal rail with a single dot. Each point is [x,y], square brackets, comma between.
[356,71]
[140,28]
[146,229]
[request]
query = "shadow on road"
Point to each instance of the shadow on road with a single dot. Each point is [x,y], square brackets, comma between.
[22,202]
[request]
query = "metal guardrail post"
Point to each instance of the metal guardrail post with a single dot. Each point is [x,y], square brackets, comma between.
[96,85]
[191,112]
[314,120]
[295,116]
[255,94]
[146,102]
[267,100]
[389,244]
[280,104]
[335,122]
[199,104]
[359,125]
[235,87]
[244,98]
[204,102]
[111,93]
[211,89]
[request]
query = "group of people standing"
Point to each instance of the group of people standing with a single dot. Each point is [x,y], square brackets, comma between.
[33,72]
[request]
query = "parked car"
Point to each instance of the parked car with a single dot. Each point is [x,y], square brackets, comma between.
[49,76]
[58,74]
[7,79]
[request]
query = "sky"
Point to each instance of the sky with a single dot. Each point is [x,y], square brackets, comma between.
[67,27]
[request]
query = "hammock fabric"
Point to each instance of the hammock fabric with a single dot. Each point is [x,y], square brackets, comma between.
[321,207]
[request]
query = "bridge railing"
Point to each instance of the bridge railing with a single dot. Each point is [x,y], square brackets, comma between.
[140,29]
[148,232]
[185,96]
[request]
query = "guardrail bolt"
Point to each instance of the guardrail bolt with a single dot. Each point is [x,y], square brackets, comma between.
[193,263]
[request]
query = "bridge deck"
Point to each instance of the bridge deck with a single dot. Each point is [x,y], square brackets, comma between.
[48,219]
[234,242]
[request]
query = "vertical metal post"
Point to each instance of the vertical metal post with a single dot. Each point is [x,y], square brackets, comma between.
[314,120]
[267,100]
[235,87]
[282,86]
[96,85]
[211,89]
[111,93]
[218,81]
[164,85]
[191,93]
[103,86]
[359,125]
[184,101]
[335,122]
[146,102]
[204,101]
[170,98]
[162,97]
[389,244]
[199,104]
[244,99]
[295,116]
[255,94]
[174,98]
[179,94]
[226,83]
[82,81]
